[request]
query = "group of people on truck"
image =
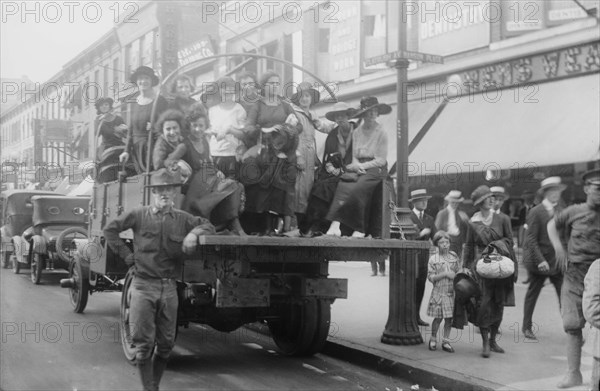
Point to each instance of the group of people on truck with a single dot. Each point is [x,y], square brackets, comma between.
[244,147]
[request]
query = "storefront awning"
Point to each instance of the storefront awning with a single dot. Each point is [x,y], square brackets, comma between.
[530,126]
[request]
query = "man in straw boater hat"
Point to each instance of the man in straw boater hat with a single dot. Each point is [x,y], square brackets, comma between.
[580,225]
[538,254]
[426,227]
[453,221]
[161,234]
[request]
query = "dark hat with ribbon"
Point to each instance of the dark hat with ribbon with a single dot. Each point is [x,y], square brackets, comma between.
[306,87]
[592,177]
[480,193]
[371,102]
[165,177]
[465,287]
[340,108]
[144,71]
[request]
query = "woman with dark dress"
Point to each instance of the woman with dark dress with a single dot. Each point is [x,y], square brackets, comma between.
[269,166]
[169,147]
[336,156]
[111,129]
[351,205]
[209,193]
[141,117]
[489,228]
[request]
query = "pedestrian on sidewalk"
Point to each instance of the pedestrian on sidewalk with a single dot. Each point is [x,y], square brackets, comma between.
[454,221]
[161,235]
[591,312]
[426,228]
[488,227]
[580,225]
[538,254]
[443,266]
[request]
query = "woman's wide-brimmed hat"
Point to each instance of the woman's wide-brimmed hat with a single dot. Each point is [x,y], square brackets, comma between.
[340,108]
[102,101]
[454,195]
[165,177]
[418,195]
[480,193]
[306,87]
[465,287]
[552,182]
[144,71]
[371,102]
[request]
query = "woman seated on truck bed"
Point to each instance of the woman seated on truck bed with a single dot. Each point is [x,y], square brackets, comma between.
[351,204]
[210,194]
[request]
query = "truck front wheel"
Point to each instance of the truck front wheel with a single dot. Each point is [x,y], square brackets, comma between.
[302,327]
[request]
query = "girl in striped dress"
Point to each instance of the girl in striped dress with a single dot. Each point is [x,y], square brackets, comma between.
[443,265]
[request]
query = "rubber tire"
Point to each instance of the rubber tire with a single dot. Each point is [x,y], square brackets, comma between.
[78,295]
[126,339]
[322,331]
[36,265]
[62,236]
[295,333]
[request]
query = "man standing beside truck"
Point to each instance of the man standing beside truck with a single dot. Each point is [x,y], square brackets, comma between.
[161,235]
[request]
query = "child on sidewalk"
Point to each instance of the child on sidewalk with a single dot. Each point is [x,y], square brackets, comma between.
[443,265]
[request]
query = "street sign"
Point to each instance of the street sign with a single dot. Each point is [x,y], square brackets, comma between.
[404,54]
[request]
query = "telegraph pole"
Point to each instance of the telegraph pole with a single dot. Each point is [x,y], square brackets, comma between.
[402,118]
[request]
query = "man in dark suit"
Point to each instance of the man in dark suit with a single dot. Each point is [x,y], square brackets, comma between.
[538,254]
[426,228]
[455,222]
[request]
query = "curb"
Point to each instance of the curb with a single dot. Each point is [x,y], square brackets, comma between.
[416,372]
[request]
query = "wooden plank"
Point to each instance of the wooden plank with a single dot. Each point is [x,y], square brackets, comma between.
[319,242]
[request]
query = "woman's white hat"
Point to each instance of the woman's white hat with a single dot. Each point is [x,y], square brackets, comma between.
[454,195]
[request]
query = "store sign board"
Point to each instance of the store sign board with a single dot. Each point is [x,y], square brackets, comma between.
[344,43]
[450,27]
[560,11]
[522,16]
[404,54]
[196,51]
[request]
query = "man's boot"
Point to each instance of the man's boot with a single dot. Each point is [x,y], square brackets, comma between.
[485,337]
[493,345]
[145,369]
[158,364]
[573,376]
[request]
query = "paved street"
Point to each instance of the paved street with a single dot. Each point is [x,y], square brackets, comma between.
[527,365]
[46,346]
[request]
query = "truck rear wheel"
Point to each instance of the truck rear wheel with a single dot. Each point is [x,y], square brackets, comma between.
[78,294]
[126,337]
[302,327]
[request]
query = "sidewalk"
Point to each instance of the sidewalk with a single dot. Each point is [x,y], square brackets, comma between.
[358,322]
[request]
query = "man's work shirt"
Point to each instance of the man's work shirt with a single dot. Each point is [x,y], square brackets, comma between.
[580,224]
[157,239]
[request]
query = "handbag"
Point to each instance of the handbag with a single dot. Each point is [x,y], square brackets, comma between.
[495,266]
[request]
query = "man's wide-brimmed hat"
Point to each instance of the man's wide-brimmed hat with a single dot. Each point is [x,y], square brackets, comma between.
[552,182]
[144,71]
[592,177]
[306,87]
[102,101]
[165,177]
[340,108]
[465,287]
[371,102]
[480,193]
[419,194]
[454,195]
[498,191]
